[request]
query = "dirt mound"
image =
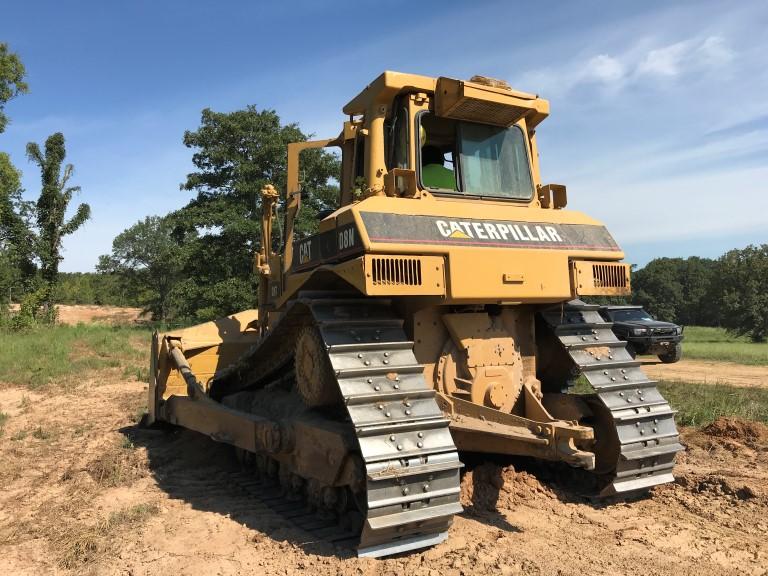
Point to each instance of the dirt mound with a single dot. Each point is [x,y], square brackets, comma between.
[737,429]
[492,487]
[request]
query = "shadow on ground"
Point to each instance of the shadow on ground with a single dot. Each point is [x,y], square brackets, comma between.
[207,475]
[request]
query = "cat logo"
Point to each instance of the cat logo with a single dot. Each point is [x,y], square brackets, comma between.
[305,251]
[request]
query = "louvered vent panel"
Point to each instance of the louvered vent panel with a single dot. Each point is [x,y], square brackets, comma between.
[396,271]
[609,276]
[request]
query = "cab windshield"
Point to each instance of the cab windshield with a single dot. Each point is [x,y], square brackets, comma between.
[474,159]
[629,315]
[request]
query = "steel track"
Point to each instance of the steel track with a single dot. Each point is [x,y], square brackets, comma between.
[646,437]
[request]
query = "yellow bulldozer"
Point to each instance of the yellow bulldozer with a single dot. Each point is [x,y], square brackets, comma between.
[435,312]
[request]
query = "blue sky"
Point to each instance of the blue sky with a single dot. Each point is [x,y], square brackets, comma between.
[659,110]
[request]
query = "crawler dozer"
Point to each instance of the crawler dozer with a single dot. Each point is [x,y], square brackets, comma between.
[436,311]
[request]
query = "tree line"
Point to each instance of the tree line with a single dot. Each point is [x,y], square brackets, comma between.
[729,291]
[31,232]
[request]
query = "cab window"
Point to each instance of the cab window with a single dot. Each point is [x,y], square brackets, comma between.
[473,159]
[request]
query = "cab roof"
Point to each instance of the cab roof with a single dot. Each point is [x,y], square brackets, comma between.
[385,87]
[389,84]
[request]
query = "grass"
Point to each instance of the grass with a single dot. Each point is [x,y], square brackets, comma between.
[79,545]
[42,434]
[700,404]
[3,420]
[703,343]
[118,465]
[42,356]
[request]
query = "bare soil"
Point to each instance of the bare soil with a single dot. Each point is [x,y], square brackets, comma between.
[708,372]
[87,314]
[85,490]
[92,313]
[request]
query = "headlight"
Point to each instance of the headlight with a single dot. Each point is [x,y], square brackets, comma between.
[679,330]
[639,331]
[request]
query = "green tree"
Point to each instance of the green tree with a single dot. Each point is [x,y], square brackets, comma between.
[50,210]
[658,289]
[96,288]
[677,290]
[149,259]
[697,276]
[743,297]
[236,154]
[17,267]
[11,80]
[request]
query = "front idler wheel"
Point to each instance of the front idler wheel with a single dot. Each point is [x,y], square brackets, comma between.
[315,380]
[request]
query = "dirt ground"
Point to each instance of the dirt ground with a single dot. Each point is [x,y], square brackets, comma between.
[73,314]
[88,491]
[88,314]
[708,372]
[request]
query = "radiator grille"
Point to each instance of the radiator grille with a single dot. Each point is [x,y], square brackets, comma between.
[609,276]
[396,271]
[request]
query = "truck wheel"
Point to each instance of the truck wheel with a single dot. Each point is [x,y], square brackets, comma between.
[673,355]
[631,350]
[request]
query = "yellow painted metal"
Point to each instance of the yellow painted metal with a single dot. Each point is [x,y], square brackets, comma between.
[483,364]
[207,347]
[385,87]
[293,190]
[600,278]
[394,275]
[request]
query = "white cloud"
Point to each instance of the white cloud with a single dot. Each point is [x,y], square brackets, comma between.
[635,64]
[604,68]
[689,55]
[715,51]
[681,206]
[665,61]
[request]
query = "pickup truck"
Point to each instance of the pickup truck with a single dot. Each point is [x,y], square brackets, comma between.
[644,334]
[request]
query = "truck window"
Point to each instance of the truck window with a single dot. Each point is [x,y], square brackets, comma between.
[630,314]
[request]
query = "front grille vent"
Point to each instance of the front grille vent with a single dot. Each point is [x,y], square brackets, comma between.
[396,271]
[663,331]
[609,276]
